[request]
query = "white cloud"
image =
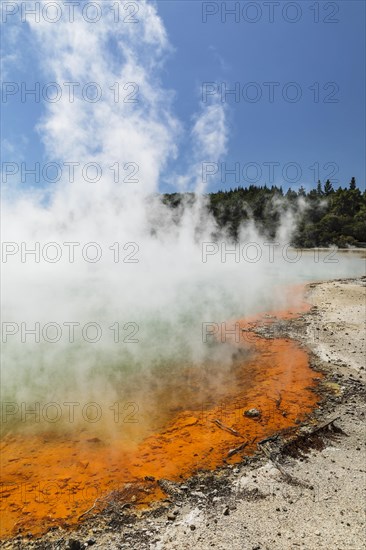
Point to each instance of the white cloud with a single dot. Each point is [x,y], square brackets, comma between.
[210,132]
[106,131]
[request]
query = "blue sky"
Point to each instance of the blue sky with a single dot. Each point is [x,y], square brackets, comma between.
[304,132]
[320,139]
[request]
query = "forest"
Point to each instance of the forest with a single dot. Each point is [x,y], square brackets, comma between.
[323,216]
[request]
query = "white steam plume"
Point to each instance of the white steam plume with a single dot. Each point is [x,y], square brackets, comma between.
[170,291]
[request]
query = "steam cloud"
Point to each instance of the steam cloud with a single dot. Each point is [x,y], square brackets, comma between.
[169,291]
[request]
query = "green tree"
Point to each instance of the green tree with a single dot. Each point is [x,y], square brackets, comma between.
[328,188]
[319,189]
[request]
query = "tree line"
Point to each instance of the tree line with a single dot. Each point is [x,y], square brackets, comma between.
[323,216]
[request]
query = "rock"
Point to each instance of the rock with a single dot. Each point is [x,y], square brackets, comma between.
[252,413]
[169,487]
[306,430]
[171,517]
[198,494]
[73,545]
[226,511]
[192,527]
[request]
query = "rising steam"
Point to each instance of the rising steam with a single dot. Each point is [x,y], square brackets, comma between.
[161,282]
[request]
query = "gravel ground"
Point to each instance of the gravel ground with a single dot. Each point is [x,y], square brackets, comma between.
[338,330]
[308,493]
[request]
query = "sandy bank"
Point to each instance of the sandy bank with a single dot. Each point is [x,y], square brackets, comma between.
[337,331]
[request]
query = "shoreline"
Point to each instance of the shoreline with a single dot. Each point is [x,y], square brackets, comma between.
[305,492]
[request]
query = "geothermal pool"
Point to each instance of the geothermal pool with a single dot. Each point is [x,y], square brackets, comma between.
[58,460]
[51,477]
